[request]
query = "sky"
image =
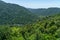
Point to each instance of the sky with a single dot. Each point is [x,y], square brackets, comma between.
[36,3]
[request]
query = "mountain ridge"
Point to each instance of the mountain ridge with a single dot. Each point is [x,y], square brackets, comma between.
[45,11]
[15,14]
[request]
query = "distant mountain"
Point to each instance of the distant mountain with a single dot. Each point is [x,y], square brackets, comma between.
[15,14]
[45,12]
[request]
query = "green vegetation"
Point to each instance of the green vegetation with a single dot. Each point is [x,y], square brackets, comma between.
[15,14]
[47,29]
[45,12]
[17,23]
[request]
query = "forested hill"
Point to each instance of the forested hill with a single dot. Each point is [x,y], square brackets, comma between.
[45,11]
[45,26]
[46,29]
[15,14]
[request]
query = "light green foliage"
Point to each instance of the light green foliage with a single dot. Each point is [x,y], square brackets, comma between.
[17,23]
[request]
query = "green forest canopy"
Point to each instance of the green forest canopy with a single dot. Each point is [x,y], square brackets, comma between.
[47,29]
[34,28]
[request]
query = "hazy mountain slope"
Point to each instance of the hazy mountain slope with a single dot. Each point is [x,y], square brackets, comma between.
[45,12]
[15,14]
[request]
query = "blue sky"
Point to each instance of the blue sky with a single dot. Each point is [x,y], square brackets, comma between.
[36,3]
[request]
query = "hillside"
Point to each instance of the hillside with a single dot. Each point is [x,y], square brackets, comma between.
[47,29]
[45,12]
[15,14]
[20,23]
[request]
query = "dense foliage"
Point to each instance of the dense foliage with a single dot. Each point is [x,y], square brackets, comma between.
[15,14]
[12,17]
[46,29]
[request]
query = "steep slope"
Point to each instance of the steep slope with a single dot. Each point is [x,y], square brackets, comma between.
[45,12]
[15,14]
